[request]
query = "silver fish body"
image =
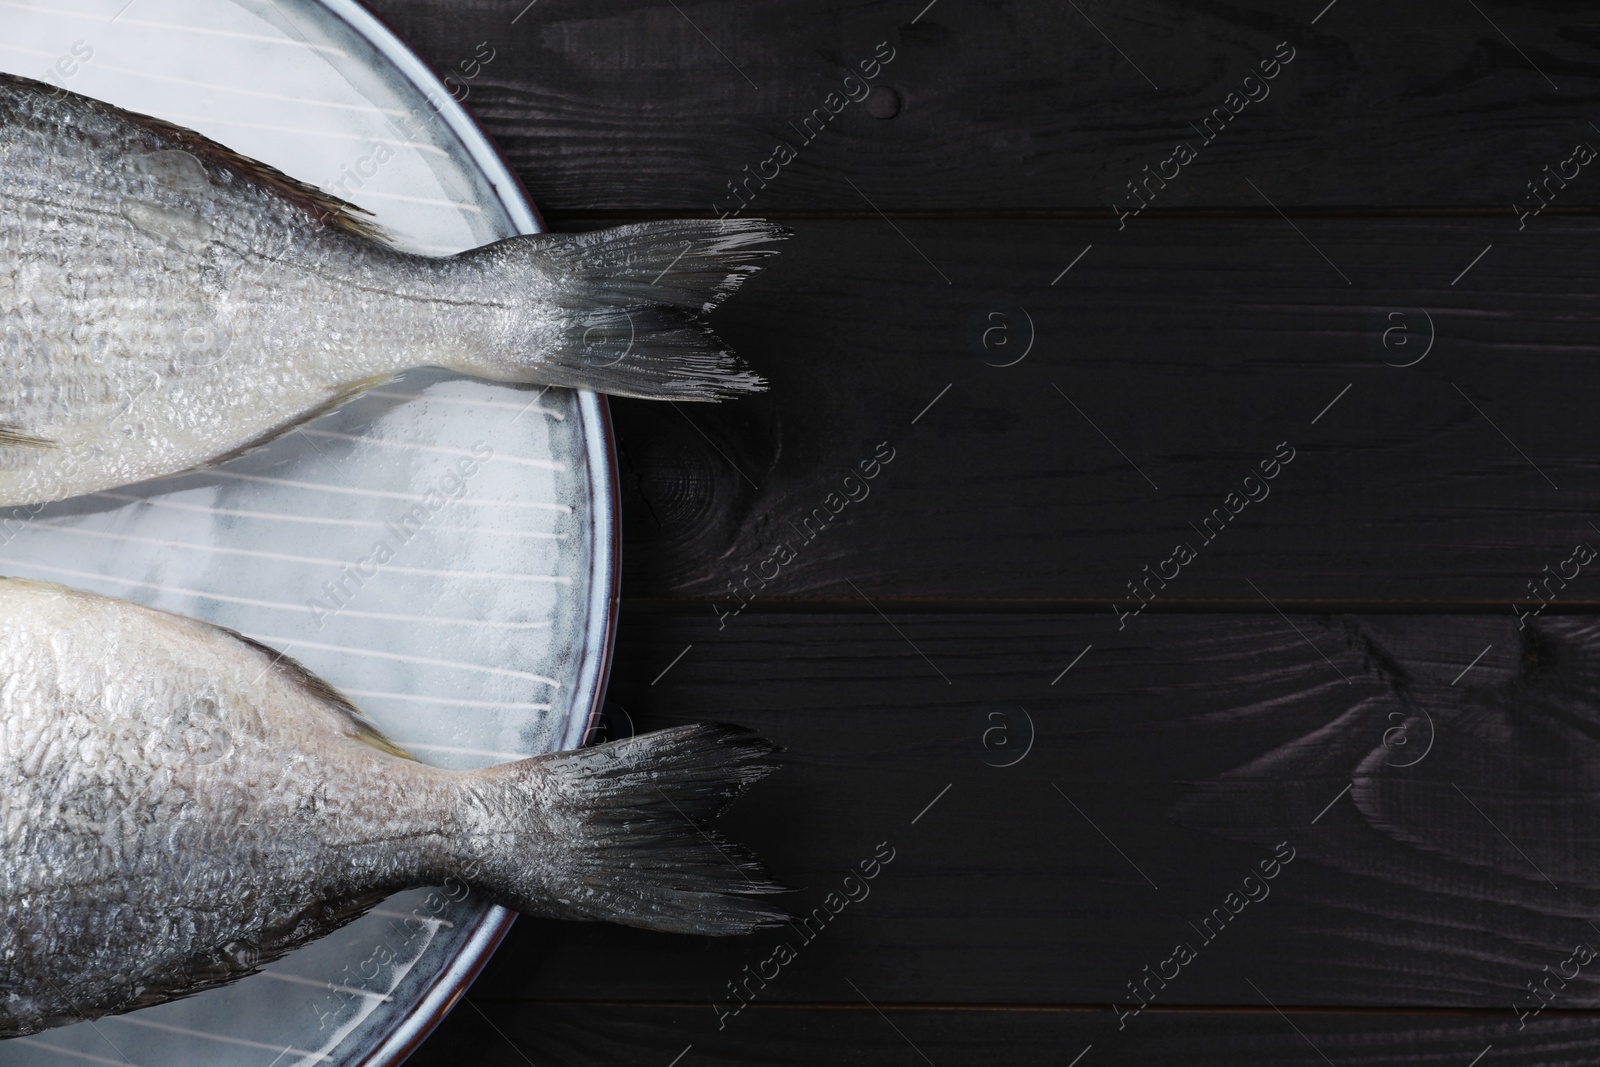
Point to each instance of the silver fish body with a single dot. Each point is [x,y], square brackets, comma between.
[166,303]
[179,805]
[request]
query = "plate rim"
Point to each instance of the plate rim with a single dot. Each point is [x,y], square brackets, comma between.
[594,413]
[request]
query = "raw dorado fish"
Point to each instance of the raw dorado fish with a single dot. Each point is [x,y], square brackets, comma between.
[166,303]
[179,805]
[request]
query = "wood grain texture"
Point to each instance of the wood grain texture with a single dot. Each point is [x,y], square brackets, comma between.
[507,1035]
[1165,367]
[1176,754]
[911,651]
[632,105]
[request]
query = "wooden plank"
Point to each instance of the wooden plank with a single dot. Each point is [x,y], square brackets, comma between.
[1177,753]
[629,105]
[501,1034]
[1166,367]
[1176,750]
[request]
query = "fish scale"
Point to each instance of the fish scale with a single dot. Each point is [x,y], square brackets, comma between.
[170,303]
[179,805]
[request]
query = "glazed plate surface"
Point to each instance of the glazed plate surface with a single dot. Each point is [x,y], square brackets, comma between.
[442,550]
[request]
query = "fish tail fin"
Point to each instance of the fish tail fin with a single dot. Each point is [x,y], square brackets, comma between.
[618,833]
[621,310]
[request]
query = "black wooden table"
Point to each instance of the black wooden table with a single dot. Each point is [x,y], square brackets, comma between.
[1165,551]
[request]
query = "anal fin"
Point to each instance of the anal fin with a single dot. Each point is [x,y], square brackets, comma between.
[14,435]
[338,400]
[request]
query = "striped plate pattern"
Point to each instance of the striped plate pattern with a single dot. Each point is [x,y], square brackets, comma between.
[440,549]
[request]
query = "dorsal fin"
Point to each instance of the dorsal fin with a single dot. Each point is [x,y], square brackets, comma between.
[291,670]
[295,672]
[324,207]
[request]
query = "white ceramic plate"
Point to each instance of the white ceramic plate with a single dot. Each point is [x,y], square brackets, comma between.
[475,631]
